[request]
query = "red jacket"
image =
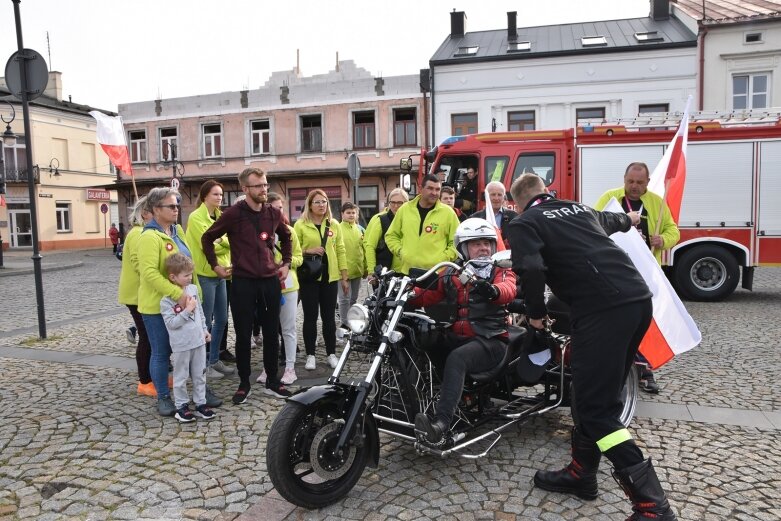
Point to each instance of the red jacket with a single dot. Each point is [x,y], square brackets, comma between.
[113,234]
[504,280]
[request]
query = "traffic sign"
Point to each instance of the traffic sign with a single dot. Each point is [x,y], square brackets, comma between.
[37,73]
[175,183]
[354,167]
[104,208]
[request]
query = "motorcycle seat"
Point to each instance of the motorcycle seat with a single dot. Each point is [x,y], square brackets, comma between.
[514,345]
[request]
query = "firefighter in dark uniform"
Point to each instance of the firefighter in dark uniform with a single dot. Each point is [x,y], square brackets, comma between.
[566,245]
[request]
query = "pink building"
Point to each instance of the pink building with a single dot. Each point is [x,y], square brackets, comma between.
[299,130]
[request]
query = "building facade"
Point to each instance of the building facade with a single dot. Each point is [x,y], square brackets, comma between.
[553,77]
[67,162]
[299,130]
[739,52]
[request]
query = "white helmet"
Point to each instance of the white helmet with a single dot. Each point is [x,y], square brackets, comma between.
[471,229]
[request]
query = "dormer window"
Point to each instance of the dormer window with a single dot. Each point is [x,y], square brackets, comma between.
[593,41]
[519,46]
[467,51]
[649,36]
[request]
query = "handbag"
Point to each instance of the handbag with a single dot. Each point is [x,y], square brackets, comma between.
[312,268]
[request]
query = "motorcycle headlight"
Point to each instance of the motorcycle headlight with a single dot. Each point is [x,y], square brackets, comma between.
[358,318]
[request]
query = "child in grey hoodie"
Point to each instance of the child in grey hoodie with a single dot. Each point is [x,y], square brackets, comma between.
[188,336]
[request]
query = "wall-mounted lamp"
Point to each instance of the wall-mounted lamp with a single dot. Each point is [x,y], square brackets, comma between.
[54,166]
[9,138]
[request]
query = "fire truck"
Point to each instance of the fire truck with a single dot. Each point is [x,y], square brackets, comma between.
[730,219]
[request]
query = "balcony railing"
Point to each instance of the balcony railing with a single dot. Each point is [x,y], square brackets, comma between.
[16,175]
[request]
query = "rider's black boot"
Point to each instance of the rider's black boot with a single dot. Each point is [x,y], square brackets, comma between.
[641,485]
[580,476]
[433,429]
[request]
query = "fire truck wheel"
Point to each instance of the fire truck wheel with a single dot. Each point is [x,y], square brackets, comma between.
[706,273]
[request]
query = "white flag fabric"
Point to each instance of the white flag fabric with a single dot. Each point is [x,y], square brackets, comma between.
[672,331]
[111,136]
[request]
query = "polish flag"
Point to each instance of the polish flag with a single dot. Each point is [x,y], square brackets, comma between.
[672,330]
[669,176]
[111,136]
[491,218]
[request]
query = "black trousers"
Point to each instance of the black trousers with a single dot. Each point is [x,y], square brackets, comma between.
[473,355]
[247,296]
[604,345]
[143,349]
[316,296]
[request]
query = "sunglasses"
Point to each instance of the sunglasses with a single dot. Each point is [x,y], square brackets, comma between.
[174,207]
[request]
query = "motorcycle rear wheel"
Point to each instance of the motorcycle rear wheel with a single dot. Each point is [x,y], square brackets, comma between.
[628,397]
[300,434]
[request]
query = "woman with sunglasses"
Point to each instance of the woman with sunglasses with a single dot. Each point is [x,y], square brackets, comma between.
[160,238]
[312,228]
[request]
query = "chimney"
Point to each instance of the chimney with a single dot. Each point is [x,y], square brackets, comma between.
[54,86]
[457,24]
[660,9]
[512,26]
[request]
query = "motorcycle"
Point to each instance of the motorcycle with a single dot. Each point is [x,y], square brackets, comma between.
[324,436]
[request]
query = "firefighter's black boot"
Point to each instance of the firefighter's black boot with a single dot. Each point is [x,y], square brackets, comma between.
[641,485]
[580,476]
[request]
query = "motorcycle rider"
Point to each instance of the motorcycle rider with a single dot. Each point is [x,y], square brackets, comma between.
[567,245]
[479,332]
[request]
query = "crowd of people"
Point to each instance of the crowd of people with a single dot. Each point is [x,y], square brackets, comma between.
[175,285]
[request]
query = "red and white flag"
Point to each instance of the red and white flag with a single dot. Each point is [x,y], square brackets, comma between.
[491,218]
[111,136]
[669,176]
[672,330]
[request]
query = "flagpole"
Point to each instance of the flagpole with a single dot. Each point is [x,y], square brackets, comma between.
[133,180]
[661,213]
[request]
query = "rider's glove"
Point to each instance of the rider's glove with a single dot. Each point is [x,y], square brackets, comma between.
[486,289]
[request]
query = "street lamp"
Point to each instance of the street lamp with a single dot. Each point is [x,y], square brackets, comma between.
[9,138]
[54,166]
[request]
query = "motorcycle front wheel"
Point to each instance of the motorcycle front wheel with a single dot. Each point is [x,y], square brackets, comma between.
[300,458]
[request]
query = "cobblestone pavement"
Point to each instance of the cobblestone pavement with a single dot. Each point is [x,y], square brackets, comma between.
[77,443]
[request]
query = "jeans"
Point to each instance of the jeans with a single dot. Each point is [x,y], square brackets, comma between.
[345,301]
[319,295]
[161,353]
[143,350]
[287,324]
[247,295]
[215,308]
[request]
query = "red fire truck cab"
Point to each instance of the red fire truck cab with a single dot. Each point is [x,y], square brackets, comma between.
[730,216]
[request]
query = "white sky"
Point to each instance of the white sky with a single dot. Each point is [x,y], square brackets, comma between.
[119,51]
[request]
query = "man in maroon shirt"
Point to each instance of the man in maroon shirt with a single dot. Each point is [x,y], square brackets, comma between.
[253,227]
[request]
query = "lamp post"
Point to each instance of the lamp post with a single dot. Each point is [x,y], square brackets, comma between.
[177,172]
[9,140]
[30,181]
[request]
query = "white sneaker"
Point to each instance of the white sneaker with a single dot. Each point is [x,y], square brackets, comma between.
[257,340]
[290,376]
[262,378]
[332,361]
[310,363]
[214,374]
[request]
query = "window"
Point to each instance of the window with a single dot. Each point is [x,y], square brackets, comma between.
[753,38]
[260,137]
[495,168]
[405,129]
[538,163]
[137,146]
[519,46]
[650,36]
[470,50]
[311,134]
[15,160]
[363,129]
[297,197]
[583,115]
[521,120]
[369,201]
[652,108]
[593,41]
[63,216]
[463,124]
[167,143]
[750,91]
[212,140]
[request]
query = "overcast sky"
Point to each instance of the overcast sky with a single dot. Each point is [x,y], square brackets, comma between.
[119,51]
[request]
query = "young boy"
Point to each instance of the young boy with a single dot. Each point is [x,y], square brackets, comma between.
[352,233]
[188,336]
